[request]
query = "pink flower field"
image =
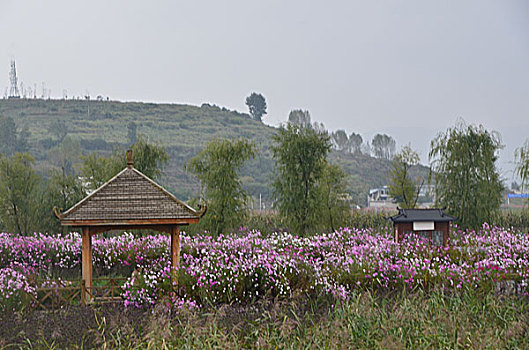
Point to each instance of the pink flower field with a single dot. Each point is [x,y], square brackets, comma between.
[245,267]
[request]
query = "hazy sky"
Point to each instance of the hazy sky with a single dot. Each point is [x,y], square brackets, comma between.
[406,68]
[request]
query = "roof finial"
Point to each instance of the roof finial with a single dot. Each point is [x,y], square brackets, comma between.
[130,163]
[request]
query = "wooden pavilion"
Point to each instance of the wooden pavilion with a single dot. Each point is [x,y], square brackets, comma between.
[130,200]
[432,225]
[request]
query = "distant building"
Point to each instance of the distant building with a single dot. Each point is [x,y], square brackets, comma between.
[380,198]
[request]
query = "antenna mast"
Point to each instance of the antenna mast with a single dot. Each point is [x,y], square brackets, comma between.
[13,91]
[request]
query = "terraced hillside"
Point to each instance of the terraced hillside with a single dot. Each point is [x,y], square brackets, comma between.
[101,126]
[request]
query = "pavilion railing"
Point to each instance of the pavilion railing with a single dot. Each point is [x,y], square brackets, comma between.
[65,293]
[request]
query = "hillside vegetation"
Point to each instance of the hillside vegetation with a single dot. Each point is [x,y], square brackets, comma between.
[101,126]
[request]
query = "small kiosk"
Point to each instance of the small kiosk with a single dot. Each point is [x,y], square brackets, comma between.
[430,224]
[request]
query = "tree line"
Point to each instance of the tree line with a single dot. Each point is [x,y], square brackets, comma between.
[309,191]
[462,168]
[464,172]
[382,145]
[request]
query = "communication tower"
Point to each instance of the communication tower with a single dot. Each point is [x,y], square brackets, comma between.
[13,91]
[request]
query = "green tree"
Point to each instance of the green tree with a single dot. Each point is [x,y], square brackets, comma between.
[332,187]
[19,197]
[62,190]
[402,187]
[257,105]
[522,164]
[217,166]
[463,160]
[149,158]
[300,154]
[96,169]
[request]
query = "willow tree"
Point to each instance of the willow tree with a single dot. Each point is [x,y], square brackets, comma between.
[402,187]
[300,154]
[217,166]
[522,164]
[335,206]
[467,181]
[19,193]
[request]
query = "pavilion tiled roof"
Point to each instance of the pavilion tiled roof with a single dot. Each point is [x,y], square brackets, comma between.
[130,197]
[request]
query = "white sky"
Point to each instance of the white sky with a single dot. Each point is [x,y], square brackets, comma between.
[406,68]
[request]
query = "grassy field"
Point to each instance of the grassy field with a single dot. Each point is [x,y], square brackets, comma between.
[416,320]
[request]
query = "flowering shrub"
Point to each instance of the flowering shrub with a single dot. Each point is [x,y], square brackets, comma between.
[13,284]
[240,269]
[244,267]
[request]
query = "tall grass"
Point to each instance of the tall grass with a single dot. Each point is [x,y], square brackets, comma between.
[434,320]
[270,221]
[516,219]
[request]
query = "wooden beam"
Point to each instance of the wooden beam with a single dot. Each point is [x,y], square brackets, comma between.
[182,221]
[175,251]
[87,262]
[160,228]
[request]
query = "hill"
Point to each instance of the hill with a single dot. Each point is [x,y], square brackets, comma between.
[101,126]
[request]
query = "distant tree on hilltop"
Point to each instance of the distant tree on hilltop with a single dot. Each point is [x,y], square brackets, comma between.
[257,105]
[299,118]
[383,146]
[340,139]
[355,143]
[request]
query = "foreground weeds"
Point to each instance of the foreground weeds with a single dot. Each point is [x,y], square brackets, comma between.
[400,320]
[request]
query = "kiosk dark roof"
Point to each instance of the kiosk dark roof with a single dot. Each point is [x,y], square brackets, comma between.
[421,215]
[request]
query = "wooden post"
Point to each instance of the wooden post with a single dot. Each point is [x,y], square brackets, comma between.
[175,250]
[87,263]
[83,292]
